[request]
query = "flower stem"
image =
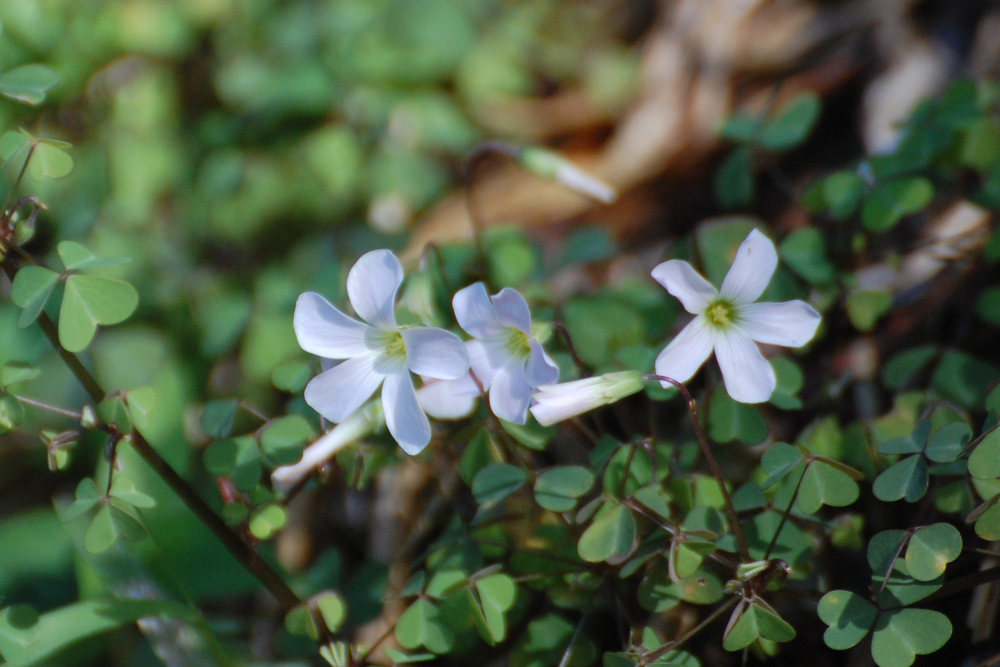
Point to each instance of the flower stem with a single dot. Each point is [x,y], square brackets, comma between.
[48,407]
[706,451]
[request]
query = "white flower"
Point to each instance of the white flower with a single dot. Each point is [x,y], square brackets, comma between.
[376,351]
[556,402]
[730,323]
[506,356]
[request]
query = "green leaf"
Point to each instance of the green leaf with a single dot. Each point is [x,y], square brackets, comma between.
[110,524]
[884,550]
[849,616]
[804,250]
[988,305]
[87,497]
[495,482]
[793,122]
[984,462]
[282,439]
[948,442]
[754,622]
[237,459]
[778,461]
[842,191]
[31,290]
[123,489]
[734,180]
[887,204]
[558,489]
[903,634]
[89,301]
[422,625]
[824,484]
[48,157]
[902,369]
[331,608]
[930,550]
[740,128]
[15,372]
[28,83]
[266,521]
[905,479]
[963,378]
[76,257]
[865,307]
[497,593]
[609,536]
[731,420]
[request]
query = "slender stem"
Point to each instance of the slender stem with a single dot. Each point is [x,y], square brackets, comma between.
[243,553]
[473,161]
[677,643]
[706,451]
[785,514]
[48,407]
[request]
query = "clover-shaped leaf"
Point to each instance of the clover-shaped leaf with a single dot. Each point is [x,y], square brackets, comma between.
[266,521]
[89,301]
[906,479]
[31,289]
[237,459]
[778,461]
[825,484]
[793,122]
[558,489]
[49,158]
[888,203]
[495,482]
[422,625]
[112,523]
[77,257]
[849,616]
[609,536]
[87,497]
[948,442]
[123,489]
[984,462]
[28,83]
[496,595]
[282,439]
[752,622]
[930,549]
[903,634]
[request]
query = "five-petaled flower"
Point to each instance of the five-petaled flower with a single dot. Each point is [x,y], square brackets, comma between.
[507,357]
[375,352]
[730,323]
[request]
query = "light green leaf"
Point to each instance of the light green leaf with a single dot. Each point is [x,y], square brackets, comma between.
[76,257]
[28,83]
[907,479]
[32,287]
[558,489]
[495,482]
[422,625]
[610,535]
[849,616]
[266,521]
[283,438]
[824,484]
[984,462]
[930,550]
[888,203]
[89,301]
[903,634]
[755,622]
[793,122]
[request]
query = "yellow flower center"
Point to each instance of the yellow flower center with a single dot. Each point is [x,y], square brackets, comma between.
[517,343]
[722,314]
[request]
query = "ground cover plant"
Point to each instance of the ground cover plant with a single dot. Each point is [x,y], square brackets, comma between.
[256,416]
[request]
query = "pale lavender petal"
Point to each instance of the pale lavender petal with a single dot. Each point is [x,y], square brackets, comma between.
[323,330]
[690,288]
[540,369]
[686,353]
[480,362]
[372,284]
[512,309]
[338,392]
[406,422]
[749,377]
[510,394]
[755,262]
[790,324]
[474,311]
[448,399]
[435,353]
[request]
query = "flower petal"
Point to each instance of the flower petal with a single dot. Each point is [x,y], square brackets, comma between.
[323,330]
[406,422]
[338,392]
[755,262]
[512,309]
[435,353]
[749,377]
[372,284]
[480,362]
[686,353]
[690,288]
[790,324]
[540,369]
[448,399]
[510,394]
[474,311]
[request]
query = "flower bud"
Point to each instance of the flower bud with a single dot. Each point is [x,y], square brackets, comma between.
[556,402]
[555,167]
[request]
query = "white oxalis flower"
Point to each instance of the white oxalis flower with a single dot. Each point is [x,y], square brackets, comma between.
[730,323]
[375,352]
[507,357]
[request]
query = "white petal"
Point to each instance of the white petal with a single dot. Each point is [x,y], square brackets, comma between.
[512,309]
[755,262]
[435,353]
[690,288]
[748,375]
[474,311]
[686,353]
[791,324]
[372,284]
[323,330]
[510,395]
[480,362]
[540,369]
[406,422]
[338,392]
[350,430]
[448,399]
